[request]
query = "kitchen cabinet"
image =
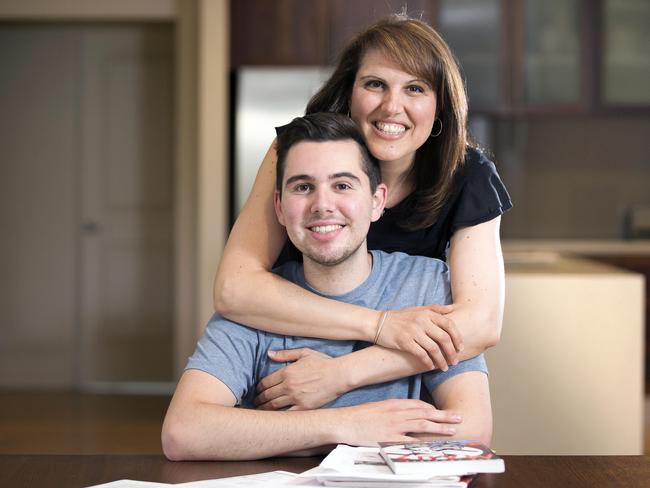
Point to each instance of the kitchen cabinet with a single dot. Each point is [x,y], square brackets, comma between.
[516,55]
[534,56]
[473,29]
[303,32]
[626,65]
[630,255]
[639,264]
[570,354]
[521,55]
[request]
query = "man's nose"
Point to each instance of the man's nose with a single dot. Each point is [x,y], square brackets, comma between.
[322,201]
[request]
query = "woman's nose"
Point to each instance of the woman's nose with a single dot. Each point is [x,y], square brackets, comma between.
[391,102]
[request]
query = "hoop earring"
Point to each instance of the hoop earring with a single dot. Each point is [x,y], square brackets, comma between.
[349,115]
[439,131]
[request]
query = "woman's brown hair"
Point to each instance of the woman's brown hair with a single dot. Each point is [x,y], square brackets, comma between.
[419,50]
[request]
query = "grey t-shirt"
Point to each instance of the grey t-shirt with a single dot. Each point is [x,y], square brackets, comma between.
[237,355]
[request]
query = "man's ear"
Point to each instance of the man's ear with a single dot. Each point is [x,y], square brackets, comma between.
[379,201]
[277,203]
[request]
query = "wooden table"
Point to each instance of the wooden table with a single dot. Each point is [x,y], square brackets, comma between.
[521,471]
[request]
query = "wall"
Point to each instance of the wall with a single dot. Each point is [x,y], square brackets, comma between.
[573,177]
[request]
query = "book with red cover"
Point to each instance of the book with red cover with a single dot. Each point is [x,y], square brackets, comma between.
[441,458]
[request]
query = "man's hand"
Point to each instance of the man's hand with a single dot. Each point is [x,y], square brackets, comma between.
[308,383]
[424,332]
[393,420]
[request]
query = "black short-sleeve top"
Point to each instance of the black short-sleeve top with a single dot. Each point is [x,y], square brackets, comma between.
[478,195]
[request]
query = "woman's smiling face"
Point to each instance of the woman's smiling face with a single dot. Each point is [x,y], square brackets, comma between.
[395,110]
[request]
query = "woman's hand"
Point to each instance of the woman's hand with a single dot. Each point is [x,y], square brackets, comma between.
[309,382]
[424,332]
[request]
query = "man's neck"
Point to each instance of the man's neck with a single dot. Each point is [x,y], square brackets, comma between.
[339,278]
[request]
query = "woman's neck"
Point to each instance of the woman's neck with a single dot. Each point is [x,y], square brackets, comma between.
[399,181]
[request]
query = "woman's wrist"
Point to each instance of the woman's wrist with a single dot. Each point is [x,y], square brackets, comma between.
[368,323]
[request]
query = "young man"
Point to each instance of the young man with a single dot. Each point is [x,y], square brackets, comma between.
[328,192]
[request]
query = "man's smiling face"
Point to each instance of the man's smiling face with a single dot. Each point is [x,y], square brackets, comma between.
[326,203]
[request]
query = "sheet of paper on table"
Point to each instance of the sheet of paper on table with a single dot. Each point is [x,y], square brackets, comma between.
[272,479]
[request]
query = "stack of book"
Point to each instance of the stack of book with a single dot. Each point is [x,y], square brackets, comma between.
[441,457]
[446,463]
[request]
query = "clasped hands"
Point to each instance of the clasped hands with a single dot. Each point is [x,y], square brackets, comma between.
[312,378]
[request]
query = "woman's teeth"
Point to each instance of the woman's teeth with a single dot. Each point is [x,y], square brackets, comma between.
[390,128]
[324,229]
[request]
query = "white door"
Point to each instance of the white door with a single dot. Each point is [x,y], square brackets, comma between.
[87,202]
[127,203]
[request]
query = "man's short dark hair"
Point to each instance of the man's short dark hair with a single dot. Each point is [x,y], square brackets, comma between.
[323,127]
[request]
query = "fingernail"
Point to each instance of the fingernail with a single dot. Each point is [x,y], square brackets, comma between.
[461,347]
[456,418]
[451,431]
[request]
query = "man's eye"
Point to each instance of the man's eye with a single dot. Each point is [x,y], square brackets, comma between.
[301,188]
[343,186]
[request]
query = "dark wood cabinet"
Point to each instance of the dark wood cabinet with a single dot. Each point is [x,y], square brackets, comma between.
[304,32]
[279,32]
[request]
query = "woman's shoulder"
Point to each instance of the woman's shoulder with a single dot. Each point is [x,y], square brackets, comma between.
[479,193]
[476,164]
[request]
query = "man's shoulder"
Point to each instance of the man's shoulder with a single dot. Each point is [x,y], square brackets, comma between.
[409,281]
[221,326]
[397,260]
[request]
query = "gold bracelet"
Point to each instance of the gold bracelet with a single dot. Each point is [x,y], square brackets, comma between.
[382,319]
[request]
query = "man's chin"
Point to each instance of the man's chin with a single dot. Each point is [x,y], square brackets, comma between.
[328,260]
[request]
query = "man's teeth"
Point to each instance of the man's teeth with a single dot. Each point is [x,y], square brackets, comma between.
[390,128]
[324,229]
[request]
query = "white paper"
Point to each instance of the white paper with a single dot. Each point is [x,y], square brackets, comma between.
[130,484]
[272,479]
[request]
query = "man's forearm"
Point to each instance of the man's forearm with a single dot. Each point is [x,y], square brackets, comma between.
[377,364]
[215,432]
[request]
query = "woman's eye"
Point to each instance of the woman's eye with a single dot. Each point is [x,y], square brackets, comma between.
[415,89]
[374,84]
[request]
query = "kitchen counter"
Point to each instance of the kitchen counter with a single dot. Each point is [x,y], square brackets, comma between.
[567,375]
[591,247]
[546,262]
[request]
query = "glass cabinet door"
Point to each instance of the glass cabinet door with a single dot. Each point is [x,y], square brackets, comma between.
[472,30]
[551,52]
[626,52]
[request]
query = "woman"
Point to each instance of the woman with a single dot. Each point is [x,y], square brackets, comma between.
[399,82]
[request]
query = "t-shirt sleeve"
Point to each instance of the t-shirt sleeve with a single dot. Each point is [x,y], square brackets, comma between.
[483,195]
[434,379]
[227,351]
